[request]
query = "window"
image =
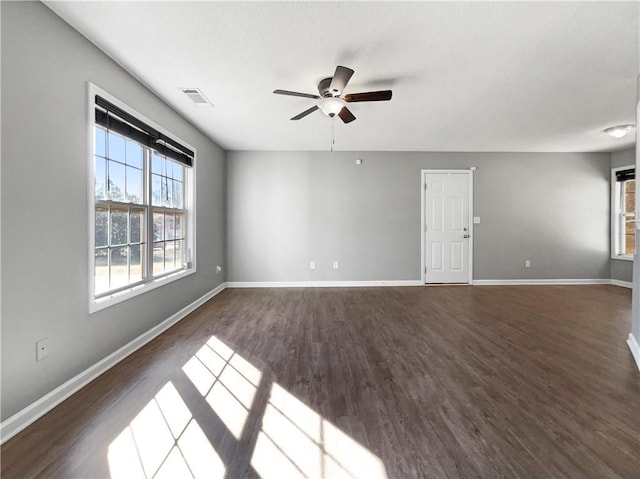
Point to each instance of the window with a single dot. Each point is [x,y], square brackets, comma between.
[141,204]
[623,200]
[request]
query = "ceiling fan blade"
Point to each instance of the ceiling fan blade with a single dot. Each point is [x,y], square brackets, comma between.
[305,113]
[295,93]
[340,79]
[383,95]
[346,115]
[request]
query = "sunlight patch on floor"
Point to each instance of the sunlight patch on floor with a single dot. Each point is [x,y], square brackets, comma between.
[123,458]
[297,439]
[226,380]
[163,440]
[200,376]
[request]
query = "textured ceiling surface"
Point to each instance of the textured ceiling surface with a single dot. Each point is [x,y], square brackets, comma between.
[466,76]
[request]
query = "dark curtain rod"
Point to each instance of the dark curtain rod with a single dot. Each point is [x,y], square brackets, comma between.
[624,175]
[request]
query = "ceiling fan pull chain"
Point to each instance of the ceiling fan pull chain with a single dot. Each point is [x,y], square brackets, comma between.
[333,140]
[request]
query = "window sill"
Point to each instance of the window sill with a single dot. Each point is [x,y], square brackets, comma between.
[116,298]
[623,257]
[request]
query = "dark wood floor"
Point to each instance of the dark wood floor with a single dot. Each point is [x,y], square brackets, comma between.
[441,382]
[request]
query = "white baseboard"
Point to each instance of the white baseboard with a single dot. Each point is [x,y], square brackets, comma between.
[320,284]
[16,423]
[624,284]
[411,282]
[533,282]
[635,349]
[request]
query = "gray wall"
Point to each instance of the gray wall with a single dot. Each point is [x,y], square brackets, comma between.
[45,69]
[622,269]
[288,208]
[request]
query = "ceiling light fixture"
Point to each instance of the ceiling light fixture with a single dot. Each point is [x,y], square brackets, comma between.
[331,106]
[619,131]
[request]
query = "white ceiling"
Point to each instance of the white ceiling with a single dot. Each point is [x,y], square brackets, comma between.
[472,76]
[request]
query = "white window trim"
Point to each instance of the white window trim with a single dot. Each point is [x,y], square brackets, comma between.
[615,211]
[190,208]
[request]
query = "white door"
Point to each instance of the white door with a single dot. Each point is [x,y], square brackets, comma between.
[447,232]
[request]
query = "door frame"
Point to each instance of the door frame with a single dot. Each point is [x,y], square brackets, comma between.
[423,183]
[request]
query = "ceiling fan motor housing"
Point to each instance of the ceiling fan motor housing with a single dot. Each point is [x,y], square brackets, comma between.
[325,90]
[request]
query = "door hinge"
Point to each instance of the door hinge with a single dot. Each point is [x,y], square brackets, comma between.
[425,186]
[425,269]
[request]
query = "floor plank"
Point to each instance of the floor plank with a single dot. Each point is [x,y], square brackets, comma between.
[441,382]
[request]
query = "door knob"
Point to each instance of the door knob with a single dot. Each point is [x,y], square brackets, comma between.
[465,235]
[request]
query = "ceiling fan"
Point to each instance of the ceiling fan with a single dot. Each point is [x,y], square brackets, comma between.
[331,101]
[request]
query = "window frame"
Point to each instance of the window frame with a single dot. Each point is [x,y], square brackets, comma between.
[189,185]
[616,212]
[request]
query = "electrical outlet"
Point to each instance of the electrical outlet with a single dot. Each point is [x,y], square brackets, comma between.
[218,269]
[312,265]
[42,349]
[335,265]
[527,263]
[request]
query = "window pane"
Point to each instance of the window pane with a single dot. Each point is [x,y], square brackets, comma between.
[177,194]
[116,147]
[166,192]
[116,181]
[179,225]
[134,185]
[169,255]
[158,226]
[177,171]
[100,177]
[166,166]
[102,227]
[169,226]
[119,268]
[119,224]
[156,190]
[630,196]
[157,164]
[629,244]
[134,154]
[101,282]
[158,258]
[629,216]
[180,259]
[629,234]
[135,263]
[136,217]
[101,142]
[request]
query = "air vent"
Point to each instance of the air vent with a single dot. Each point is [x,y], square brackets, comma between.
[196,96]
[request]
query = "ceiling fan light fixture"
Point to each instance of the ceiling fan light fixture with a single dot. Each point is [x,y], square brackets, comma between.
[619,131]
[331,106]
[330,101]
